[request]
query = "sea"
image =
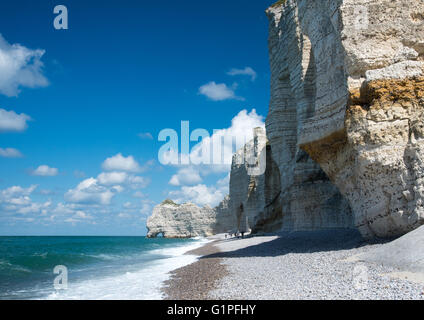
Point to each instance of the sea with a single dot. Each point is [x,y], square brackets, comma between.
[90,268]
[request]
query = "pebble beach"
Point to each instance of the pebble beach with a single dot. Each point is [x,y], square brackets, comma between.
[289,266]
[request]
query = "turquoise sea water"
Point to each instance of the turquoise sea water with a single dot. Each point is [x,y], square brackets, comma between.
[98,267]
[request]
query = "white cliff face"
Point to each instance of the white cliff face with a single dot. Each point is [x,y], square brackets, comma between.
[187,220]
[307,200]
[344,142]
[247,181]
[346,88]
[225,220]
[377,34]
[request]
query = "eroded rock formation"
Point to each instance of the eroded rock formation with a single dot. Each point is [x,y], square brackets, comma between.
[187,220]
[307,199]
[344,135]
[377,160]
[247,181]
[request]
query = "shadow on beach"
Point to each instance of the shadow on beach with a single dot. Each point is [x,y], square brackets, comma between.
[290,242]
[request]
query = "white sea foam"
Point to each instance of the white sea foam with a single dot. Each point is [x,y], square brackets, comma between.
[143,283]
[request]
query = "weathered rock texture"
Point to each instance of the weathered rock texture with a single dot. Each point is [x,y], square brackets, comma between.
[247,181]
[377,160]
[344,135]
[300,196]
[346,89]
[172,220]
[286,195]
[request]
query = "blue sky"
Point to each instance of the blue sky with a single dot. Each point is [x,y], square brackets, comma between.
[81,109]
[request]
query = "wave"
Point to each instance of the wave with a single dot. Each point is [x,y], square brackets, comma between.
[139,281]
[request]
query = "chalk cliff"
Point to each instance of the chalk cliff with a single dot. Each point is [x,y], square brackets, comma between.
[187,220]
[347,89]
[344,141]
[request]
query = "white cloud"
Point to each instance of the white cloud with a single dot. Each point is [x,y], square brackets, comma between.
[139,194]
[248,71]
[121,163]
[110,178]
[220,147]
[82,215]
[145,136]
[45,171]
[128,205]
[34,208]
[137,182]
[230,140]
[78,216]
[218,92]
[186,176]
[10,121]
[10,153]
[122,178]
[201,195]
[16,200]
[62,209]
[146,206]
[16,191]
[90,192]
[20,67]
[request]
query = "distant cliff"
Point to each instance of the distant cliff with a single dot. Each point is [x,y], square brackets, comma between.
[187,220]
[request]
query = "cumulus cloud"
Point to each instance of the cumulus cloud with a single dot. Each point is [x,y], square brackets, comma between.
[201,195]
[17,200]
[20,67]
[186,176]
[218,92]
[146,206]
[139,194]
[145,136]
[45,171]
[10,153]
[214,153]
[223,143]
[124,215]
[228,140]
[137,182]
[10,121]
[62,209]
[15,191]
[121,163]
[90,192]
[248,71]
[102,189]
[35,208]
[78,217]
[110,178]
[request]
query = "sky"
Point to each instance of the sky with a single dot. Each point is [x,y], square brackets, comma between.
[82,109]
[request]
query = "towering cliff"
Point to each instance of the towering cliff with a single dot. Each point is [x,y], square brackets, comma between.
[344,137]
[247,180]
[346,88]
